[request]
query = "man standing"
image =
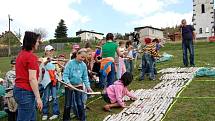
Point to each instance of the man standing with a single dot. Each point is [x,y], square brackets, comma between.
[188,36]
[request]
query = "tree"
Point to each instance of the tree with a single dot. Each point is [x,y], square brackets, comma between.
[126,36]
[61,30]
[118,36]
[41,31]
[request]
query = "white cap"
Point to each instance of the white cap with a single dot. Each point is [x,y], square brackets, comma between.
[48,48]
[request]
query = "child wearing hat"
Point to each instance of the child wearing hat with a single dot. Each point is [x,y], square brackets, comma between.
[75,48]
[10,75]
[10,105]
[49,82]
[148,61]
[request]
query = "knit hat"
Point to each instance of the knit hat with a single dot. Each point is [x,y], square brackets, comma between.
[61,56]
[147,40]
[75,48]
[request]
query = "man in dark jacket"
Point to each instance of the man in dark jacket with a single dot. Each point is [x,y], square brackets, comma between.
[188,36]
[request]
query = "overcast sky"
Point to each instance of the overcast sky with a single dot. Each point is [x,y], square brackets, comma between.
[98,15]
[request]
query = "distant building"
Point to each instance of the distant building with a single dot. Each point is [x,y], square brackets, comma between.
[89,35]
[148,31]
[203,18]
[8,35]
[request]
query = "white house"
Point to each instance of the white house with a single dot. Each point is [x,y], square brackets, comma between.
[89,35]
[148,31]
[203,18]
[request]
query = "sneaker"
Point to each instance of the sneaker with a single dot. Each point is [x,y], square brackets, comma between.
[53,117]
[72,115]
[44,118]
[97,79]
[50,98]
[153,79]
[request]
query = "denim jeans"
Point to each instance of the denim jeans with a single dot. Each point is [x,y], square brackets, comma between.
[73,98]
[147,64]
[55,108]
[110,78]
[188,45]
[154,67]
[129,65]
[26,104]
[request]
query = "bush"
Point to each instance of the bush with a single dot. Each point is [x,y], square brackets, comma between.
[66,40]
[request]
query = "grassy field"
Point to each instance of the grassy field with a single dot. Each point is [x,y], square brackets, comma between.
[185,109]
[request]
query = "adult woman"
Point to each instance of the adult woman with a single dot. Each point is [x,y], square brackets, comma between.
[26,84]
[107,69]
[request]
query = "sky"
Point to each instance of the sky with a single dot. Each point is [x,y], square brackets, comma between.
[104,16]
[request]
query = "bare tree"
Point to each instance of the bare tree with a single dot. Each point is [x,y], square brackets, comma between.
[41,31]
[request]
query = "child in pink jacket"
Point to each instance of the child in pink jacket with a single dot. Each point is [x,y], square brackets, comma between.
[114,93]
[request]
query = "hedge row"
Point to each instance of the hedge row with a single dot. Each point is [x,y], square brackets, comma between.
[66,40]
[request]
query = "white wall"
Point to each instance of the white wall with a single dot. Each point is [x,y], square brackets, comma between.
[144,32]
[89,36]
[149,32]
[203,20]
[154,33]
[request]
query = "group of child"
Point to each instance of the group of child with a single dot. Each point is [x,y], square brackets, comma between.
[82,70]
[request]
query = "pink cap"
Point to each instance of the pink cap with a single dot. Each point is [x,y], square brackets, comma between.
[76,46]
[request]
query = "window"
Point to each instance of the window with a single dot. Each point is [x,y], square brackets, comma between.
[200,31]
[203,8]
[207,30]
[212,29]
[153,31]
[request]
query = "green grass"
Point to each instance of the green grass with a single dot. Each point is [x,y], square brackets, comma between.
[200,89]
[203,78]
[184,109]
[192,110]
[4,65]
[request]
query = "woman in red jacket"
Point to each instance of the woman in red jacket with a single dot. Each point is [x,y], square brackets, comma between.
[26,92]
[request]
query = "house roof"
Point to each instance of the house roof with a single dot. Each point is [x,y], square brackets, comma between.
[83,31]
[5,33]
[138,28]
[8,33]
